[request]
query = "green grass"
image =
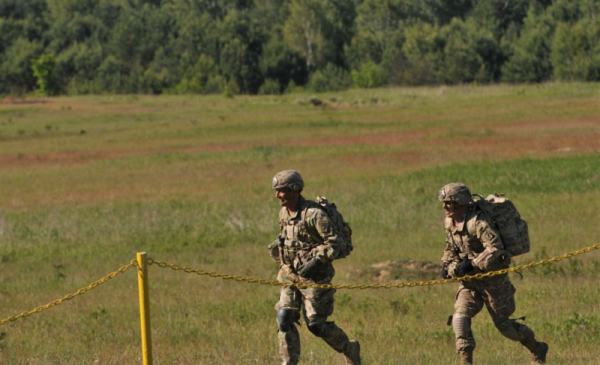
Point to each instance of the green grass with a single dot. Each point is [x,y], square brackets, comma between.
[187,179]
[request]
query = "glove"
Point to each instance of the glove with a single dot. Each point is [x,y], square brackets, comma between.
[274,251]
[463,268]
[445,273]
[309,269]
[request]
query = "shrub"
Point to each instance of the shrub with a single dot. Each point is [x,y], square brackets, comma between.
[331,78]
[270,87]
[43,69]
[369,75]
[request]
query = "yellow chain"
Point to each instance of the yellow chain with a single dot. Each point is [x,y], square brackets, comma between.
[374,286]
[71,296]
[297,285]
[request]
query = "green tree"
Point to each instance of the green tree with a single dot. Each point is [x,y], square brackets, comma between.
[303,30]
[203,78]
[280,63]
[15,69]
[377,31]
[575,53]
[43,69]
[241,40]
[471,53]
[529,58]
[22,28]
[423,50]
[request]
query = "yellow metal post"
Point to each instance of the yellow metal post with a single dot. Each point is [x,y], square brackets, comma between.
[144,308]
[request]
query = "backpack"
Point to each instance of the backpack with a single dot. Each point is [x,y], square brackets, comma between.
[342,229]
[507,221]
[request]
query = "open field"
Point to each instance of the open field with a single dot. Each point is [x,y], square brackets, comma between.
[89,181]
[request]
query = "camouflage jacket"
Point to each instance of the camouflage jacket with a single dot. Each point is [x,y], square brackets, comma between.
[305,234]
[476,239]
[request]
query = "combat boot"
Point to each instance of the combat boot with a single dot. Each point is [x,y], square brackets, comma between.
[466,358]
[352,353]
[538,350]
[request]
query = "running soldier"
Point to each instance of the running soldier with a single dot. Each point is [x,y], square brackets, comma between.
[305,249]
[474,246]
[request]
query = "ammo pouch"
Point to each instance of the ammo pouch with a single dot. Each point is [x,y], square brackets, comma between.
[291,254]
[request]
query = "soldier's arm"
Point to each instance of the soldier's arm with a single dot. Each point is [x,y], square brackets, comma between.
[450,258]
[320,223]
[493,248]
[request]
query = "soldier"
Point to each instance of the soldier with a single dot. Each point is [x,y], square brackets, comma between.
[474,246]
[305,249]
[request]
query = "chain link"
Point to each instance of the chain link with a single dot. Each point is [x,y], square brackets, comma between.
[375,286]
[250,280]
[71,296]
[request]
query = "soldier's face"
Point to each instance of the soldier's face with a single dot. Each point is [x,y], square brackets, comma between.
[454,210]
[287,198]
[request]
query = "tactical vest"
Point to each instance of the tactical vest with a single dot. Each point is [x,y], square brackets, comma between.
[298,239]
[464,243]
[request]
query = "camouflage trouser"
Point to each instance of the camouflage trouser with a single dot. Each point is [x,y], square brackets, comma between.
[497,294]
[315,305]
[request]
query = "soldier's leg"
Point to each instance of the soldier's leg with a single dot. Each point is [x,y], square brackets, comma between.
[468,304]
[500,302]
[288,312]
[318,305]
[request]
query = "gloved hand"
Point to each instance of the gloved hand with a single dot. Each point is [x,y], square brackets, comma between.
[309,269]
[445,273]
[274,250]
[463,268]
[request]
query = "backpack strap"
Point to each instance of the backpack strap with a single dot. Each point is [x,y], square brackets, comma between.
[472,224]
[303,219]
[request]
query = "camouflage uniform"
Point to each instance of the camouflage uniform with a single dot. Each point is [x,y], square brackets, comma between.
[307,234]
[476,239]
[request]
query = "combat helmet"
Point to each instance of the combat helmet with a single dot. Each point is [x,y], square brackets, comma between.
[455,192]
[290,179]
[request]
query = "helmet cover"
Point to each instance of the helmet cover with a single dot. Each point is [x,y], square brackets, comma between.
[455,192]
[290,179]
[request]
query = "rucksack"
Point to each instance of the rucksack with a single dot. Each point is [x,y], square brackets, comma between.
[506,218]
[342,229]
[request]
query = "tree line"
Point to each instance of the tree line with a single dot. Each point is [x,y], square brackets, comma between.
[273,46]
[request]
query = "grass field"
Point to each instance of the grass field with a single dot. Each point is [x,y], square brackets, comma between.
[89,181]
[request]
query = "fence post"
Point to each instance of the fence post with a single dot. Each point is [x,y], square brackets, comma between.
[144,308]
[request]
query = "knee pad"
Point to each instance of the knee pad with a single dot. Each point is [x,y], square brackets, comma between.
[461,323]
[318,328]
[285,319]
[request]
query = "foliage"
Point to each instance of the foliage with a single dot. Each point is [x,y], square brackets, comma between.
[369,75]
[530,54]
[270,86]
[331,78]
[43,69]
[575,51]
[150,46]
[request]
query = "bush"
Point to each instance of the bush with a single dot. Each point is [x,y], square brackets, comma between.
[331,78]
[43,69]
[369,75]
[293,88]
[231,89]
[270,87]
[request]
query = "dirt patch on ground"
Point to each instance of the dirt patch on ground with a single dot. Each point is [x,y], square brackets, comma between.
[526,139]
[400,271]
[15,100]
